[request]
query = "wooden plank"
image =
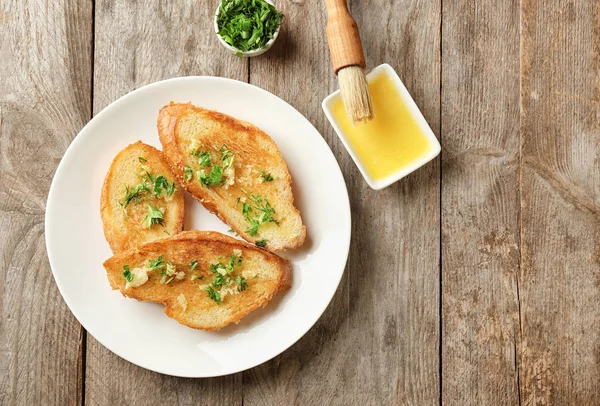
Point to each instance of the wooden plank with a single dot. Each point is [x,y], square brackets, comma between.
[138,43]
[480,202]
[560,280]
[45,66]
[378,342]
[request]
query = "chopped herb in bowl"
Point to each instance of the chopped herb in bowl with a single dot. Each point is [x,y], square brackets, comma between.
[248,26]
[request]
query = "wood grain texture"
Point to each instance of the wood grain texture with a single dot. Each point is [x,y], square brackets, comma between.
[139,43]
[378,342]
[45,68]
[480,202]
[560,276]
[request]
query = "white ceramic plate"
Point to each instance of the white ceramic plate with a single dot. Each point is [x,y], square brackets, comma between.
[140,332]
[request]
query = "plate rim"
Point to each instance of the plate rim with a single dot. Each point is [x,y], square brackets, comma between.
[78,139]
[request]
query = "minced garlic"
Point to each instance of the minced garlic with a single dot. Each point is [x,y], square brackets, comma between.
[182,301]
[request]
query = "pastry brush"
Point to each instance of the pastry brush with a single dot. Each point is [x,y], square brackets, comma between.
[348,61]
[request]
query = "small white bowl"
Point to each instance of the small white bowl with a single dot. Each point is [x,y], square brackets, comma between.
[378,184]
[247,54]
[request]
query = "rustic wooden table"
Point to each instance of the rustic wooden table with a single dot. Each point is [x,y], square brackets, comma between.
[475,281]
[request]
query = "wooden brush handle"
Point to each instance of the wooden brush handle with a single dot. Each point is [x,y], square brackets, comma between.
[343,37]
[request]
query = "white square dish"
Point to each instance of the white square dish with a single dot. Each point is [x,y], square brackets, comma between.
[412,107]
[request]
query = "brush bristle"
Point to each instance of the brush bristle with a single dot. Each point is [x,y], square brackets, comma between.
[355,93]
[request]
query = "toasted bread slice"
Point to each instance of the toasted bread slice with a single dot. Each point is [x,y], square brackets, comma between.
[205,279]
[140,182]
[235,170]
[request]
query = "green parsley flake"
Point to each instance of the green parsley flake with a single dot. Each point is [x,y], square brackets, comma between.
[234,261]
[142,159]
[188,174]
[247,24]
[241,282]
[170,189]
[214,179]
[193,265]
[219,281]
[149,185]
[226,156]
[214,268]
[261,243]
[261,213]
[224,275]
[158,263]
[203,157]
[127,274]
[213,294]
[246,208]
[154,216]
[266,177]
[159,183]
[134,195]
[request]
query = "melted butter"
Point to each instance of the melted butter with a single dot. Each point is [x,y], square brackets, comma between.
[393,139]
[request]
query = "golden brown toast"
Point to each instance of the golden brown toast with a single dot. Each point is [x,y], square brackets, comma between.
[205,279]
[140,201]
[235,170]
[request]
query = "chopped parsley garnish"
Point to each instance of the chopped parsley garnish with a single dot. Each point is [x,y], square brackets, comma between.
[193,265]
[154,216]
[219,281]
[214,268]
[215,178]
[247,24]
[203,157]
[188,174]
[224,276]
[246,208]
[158,263]
[213,294]
[235,260]
[127,274]
[134,195]
[264,207]
[266,177]
[142,159]
[160,182]
[149,185]
[226,156]
[261,243]
[194,276]
[170,188]
[261,213]
[241,282]
[169,273]
[253,229]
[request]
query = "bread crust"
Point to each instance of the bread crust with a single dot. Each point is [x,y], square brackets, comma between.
[124,233]
[203,246]
[169,137]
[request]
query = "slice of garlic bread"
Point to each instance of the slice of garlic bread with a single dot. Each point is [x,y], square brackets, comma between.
[205,279]
[140,201]
[235,170]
